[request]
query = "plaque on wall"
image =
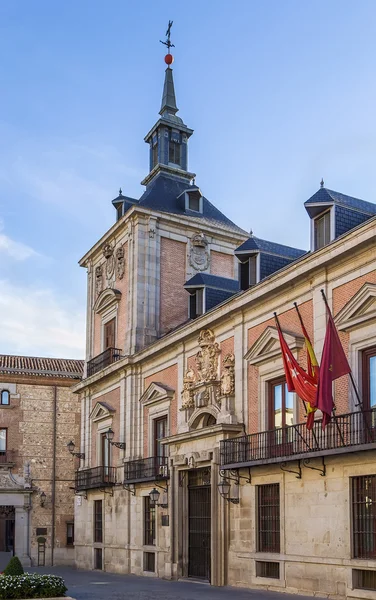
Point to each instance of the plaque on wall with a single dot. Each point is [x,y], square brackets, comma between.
[41,530]
[165,520]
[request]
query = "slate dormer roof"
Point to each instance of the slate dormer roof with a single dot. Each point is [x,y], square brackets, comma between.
[126,201]
[212,281]
[325,197]
[254,244]
[163,195]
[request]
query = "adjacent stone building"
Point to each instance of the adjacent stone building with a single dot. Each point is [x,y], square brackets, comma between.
[39,414]
[196,459]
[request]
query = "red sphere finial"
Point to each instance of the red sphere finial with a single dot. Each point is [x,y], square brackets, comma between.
[169,59]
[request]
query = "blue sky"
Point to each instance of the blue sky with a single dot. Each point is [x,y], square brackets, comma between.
[279,93]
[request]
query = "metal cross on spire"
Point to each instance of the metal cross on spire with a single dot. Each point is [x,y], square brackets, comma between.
[168,34]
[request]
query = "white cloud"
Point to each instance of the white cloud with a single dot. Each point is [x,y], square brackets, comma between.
[13,249]
[35,322]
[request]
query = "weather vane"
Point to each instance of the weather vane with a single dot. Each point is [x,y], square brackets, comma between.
[168,58]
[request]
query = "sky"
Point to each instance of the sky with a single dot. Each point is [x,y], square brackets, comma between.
[279,94]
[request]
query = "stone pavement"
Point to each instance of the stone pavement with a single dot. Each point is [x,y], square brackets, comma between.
[97,585]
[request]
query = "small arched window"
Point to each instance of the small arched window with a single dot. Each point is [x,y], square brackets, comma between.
[5,397]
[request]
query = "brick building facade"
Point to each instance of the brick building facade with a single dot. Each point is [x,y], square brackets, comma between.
[38,415]
[184,393]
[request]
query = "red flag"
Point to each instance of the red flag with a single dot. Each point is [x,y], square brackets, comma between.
[333,365]
[296,377]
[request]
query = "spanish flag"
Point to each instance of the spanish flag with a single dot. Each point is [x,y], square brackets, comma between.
[313,368]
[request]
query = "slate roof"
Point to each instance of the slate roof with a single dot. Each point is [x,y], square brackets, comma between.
[35,365]
[256,244]
[162,194]
[214,281]
[325,196]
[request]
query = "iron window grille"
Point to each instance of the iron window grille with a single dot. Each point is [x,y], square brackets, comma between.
[364,579]
[149,522]
[364,516]
[268,518]
[98,522]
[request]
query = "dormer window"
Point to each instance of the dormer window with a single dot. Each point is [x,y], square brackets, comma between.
[322,235]
[196,303]
[194,200]
[119,211]
[248,272]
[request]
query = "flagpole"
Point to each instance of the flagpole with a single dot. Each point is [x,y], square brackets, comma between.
[279,327]
[360,402]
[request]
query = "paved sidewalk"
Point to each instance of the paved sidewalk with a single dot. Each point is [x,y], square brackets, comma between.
[97,585]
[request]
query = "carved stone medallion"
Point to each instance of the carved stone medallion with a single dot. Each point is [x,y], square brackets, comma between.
[199,256]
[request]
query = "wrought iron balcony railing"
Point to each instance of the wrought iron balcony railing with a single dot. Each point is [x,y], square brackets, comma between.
[7,457]
[97,477]
[146,469]
[103,360]
[345,433]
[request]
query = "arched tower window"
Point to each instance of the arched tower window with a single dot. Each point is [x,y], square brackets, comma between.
[5,397]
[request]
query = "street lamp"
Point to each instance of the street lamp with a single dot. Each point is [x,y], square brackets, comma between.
[110,436]
[224,491]
[154,496]
[42,499]
[71,447]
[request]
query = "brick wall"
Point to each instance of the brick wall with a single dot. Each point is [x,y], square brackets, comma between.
[222,264]
[174,298]
[167,377]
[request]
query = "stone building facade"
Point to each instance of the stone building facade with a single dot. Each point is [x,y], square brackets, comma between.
[198,462]
[38,415]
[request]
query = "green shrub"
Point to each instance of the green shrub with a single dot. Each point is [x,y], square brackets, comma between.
[31,585]
[14,567]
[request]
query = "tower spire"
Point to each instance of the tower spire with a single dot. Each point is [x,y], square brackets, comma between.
[168,99]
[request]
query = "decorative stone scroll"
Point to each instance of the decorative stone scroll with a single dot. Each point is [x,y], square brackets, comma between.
[120,262]
[98,280]
[187,396]
[108,253]
[228,375]
[207,358]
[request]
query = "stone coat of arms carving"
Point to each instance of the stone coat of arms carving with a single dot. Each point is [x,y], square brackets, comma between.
[207,358]
[228,375]
[108,253]
[199,256]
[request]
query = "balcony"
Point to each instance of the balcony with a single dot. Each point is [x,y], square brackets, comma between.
[153,468]
[7,458]
[351,432]
[97,477]
[103,360]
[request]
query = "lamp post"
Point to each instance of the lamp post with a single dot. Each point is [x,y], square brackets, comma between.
[110,436]
[71,447]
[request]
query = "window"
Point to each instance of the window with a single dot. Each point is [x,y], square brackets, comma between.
[149,561]
[109,334]
[322,230]
[364,516]
[364,579]
[149,522]
[369,378]
[160,432]
[98,522]
[194,202]
[174,152]
[248,272]
[281,405]
[268,521]
[155,154]
[196,304]
[70,534]
[267,569]
[119,211]
[98,559]
[3,441]
[105,451]
[5,397]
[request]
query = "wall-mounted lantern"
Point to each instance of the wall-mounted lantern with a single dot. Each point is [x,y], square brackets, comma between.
[224,488]
[154,496]
[42,499]
[110,436]
[71,447]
